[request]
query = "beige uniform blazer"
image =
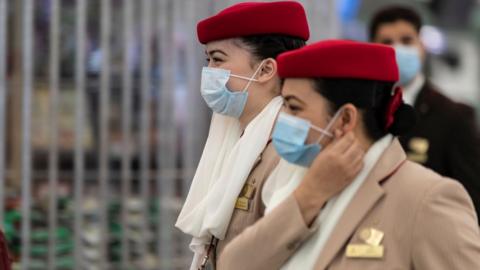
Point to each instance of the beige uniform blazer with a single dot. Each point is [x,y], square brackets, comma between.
[428,222]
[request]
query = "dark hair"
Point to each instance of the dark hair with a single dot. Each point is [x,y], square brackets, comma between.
[393,14]
[372,103]
[270,46]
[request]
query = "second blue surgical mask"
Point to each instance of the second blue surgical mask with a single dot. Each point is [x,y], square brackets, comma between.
[290,135]
[408,61]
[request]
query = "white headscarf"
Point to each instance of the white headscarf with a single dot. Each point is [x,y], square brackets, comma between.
[225,164]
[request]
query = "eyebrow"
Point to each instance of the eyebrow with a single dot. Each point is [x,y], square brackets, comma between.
[215,51]
[289,97]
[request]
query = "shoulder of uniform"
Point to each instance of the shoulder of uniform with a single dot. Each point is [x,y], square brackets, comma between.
[418,182]
[415,187]
[418,175]
[412,182]
[440,101]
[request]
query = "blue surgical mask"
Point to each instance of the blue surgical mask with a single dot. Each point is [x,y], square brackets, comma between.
[218,97]
[408,61]
[290,135]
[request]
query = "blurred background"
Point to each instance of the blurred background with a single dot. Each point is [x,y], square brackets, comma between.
[102,123]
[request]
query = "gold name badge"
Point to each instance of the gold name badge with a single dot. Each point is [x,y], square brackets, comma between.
[364,251]
[242,204]
[419,158]
[419,145]
[248,191]
[418,149]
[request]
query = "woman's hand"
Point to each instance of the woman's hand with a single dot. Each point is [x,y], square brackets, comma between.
[333,170]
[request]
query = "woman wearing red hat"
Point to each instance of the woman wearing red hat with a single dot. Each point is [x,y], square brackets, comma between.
[242,87]
[390,213]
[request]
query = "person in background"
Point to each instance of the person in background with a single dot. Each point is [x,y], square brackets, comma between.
[446,137]
[242,87]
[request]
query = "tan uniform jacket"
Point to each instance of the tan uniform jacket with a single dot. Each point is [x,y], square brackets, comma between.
[428,222]
[247,214]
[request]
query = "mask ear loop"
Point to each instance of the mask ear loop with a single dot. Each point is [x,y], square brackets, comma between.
[325,131]
[252,79]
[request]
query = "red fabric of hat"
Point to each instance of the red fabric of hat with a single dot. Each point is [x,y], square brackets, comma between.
[340,59]
[255,18]
[345,59]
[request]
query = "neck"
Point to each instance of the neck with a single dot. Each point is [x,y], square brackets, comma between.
[253,107]
[407,86]
[364,141]
[411,83]
[258,99]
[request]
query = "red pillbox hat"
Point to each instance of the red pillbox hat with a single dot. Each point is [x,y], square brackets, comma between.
[255,18]
[340,59]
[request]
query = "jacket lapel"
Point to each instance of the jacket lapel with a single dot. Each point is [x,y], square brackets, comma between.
[421,104]
[368,194]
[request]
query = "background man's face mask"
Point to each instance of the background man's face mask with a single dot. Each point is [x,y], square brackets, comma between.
[290,135]
[408,61]
[218,97]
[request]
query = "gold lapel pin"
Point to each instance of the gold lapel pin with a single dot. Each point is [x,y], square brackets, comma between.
[371,236]
[372,247]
